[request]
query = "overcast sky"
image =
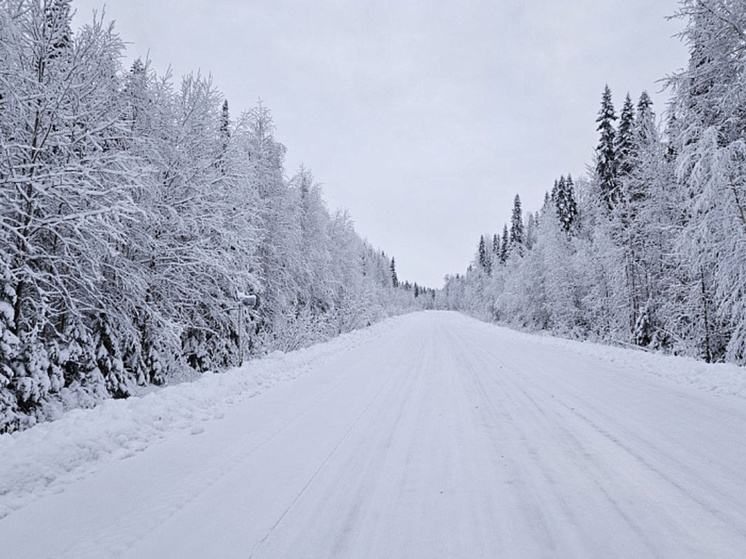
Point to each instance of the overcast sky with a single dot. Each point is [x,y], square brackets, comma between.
[422,118]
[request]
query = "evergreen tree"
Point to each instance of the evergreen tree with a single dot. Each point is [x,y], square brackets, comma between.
[225,135]
[563,197]
[644,138]
[532,226]
[10,416]
[516,227]
[606,160]
[505,246]
[644,119]
[135,98]
[107,354]
[624,138]
[483,256]
[394,277]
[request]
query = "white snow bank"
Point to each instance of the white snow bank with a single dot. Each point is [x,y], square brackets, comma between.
[719,378]
[45,458]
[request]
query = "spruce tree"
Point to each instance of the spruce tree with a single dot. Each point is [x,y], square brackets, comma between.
[505,247]
[644,138]
[563,196]
[606,164]
[516,226]
[644,119]
[9,352]
[571,205]
[394,278]
[556,196]
[484,259]
[624,138]
[531,231]
[225,126]
[135,96]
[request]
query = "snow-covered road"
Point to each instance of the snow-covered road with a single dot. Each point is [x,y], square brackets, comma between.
[438,436]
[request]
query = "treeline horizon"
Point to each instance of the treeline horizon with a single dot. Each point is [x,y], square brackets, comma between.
[649,248]
[135,212]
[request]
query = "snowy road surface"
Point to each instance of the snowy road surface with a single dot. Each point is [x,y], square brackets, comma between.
[438,436]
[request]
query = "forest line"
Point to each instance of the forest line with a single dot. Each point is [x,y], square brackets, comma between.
[136,211]
[649,248]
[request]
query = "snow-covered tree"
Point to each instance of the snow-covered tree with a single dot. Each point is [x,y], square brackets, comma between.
[517,237]
[483,257]
[66,187]
[505,245]
[606,158]
[563,197]
[133,213]
[624,138]
[394,277]
[711,151]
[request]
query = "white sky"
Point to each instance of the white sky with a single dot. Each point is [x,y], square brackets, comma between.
[423,118]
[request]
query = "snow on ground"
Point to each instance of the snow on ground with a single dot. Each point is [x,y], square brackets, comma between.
[719,378]
[44,459]
[429,435]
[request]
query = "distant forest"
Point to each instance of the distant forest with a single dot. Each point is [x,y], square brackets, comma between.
[650,248]
[135,215]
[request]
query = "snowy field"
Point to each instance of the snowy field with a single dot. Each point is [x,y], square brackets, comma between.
[428,435]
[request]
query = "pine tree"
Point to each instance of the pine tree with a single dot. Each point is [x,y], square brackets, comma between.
[9,352]
[225,125]
[624,138]
[532,226]
[135,99]
[563,197]
[108,360]
[644,137]
[516,227]
[505,246]
[483,256]
[394,278]
[225,135]
[644,119]
[606,160]
[555,193]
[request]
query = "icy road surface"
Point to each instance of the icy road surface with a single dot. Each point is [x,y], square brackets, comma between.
[434,436]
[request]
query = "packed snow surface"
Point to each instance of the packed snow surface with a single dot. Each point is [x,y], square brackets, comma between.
[429,435]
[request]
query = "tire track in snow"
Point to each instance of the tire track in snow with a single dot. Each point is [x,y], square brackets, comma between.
[400,382]
[531,484]
[676,471]
[621,464]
